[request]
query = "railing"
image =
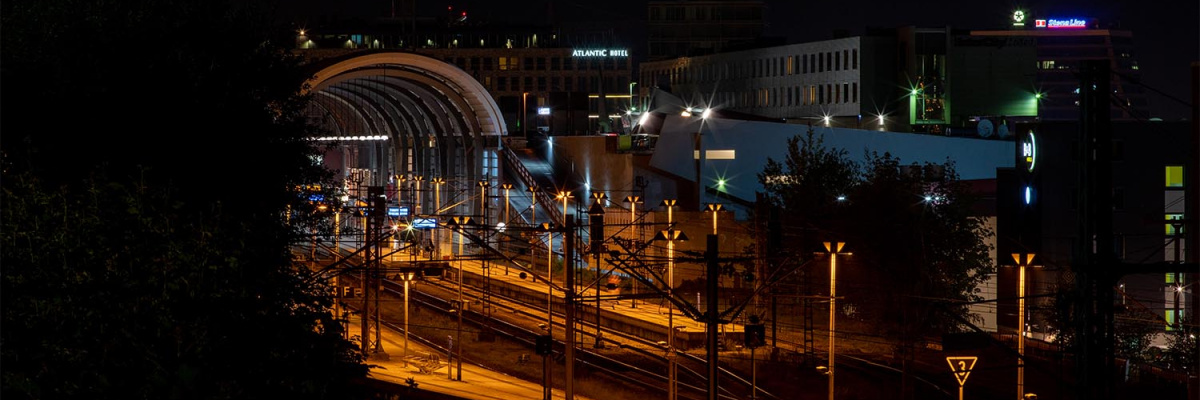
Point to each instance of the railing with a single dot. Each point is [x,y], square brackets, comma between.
[543,199]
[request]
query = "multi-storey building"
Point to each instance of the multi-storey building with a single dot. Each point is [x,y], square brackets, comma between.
[686,28]
[892,80]
[542,79]
[1062,44]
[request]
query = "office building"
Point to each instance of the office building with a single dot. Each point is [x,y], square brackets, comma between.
[1062,44]
[689,28]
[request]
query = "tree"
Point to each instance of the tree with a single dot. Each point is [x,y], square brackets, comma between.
[918,250]
[150,152]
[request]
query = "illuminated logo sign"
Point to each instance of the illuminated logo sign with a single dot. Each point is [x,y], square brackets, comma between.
[424,223]
[1039,23]
[1068,23]
[1018,18]
[1029,151]
[543,110]
[600,53]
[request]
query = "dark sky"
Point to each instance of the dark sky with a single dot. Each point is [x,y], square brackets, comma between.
[1166,33]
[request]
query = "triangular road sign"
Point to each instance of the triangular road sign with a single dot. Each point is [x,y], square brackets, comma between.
[962,367]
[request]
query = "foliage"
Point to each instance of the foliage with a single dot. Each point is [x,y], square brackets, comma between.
[1183,350]
[918,251]
[150,153]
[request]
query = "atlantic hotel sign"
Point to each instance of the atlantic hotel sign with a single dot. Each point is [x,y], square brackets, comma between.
[600,53]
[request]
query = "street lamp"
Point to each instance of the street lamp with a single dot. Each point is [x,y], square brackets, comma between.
[1023,260]
[408,277]
[483,194]
[714,208]
[833,248]
[399,187]
[417,192]
[564,196]
[461,223]
[633,202]
[547,227]
[437,194]
[596,214]
[506,187]
[671,235]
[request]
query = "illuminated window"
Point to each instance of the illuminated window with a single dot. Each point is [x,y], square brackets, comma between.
[1170,317]
[1174,175]
[720,154]
[789,65]
[1170,226]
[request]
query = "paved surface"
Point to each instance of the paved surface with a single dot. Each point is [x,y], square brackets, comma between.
[653,311]
[478,382]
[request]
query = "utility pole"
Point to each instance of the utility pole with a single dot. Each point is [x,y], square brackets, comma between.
[711,315]
[569,301]
[1094,254]
[596,237]
[364,312]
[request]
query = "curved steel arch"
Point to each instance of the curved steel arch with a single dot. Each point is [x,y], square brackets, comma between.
[490,120]
[437,116]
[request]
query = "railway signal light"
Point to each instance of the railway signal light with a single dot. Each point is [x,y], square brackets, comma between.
[543,345]
[755,335]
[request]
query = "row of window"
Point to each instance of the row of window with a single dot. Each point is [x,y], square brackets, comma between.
[826,94]
[768,67]
[537,63]
[590,84]
[726,12]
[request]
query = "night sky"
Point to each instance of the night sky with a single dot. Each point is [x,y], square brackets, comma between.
[1165,32]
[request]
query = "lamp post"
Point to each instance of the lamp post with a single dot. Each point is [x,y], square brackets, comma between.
[633,202]
[833,248]
[399,187]
[437,209]
[596,214]
[671,235]
[417,193]
[483,194]
[437,194]
[1023,260]
[506,187]
[546,376]
[533,190]
[565,196]
[408,278]
[714,208]
[461,223]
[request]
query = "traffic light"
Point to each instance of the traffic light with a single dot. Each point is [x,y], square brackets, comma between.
[755,335]
[543,345]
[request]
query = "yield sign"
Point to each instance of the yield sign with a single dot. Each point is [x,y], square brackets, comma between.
[962,367]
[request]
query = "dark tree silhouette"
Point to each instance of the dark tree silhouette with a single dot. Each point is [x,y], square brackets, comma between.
[150,152]
[918,250]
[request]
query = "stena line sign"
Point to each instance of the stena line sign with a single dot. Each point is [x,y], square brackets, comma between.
[600,53]
[1061,23]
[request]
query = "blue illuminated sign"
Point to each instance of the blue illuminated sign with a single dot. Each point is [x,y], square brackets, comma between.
[424,223]
[394,211]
